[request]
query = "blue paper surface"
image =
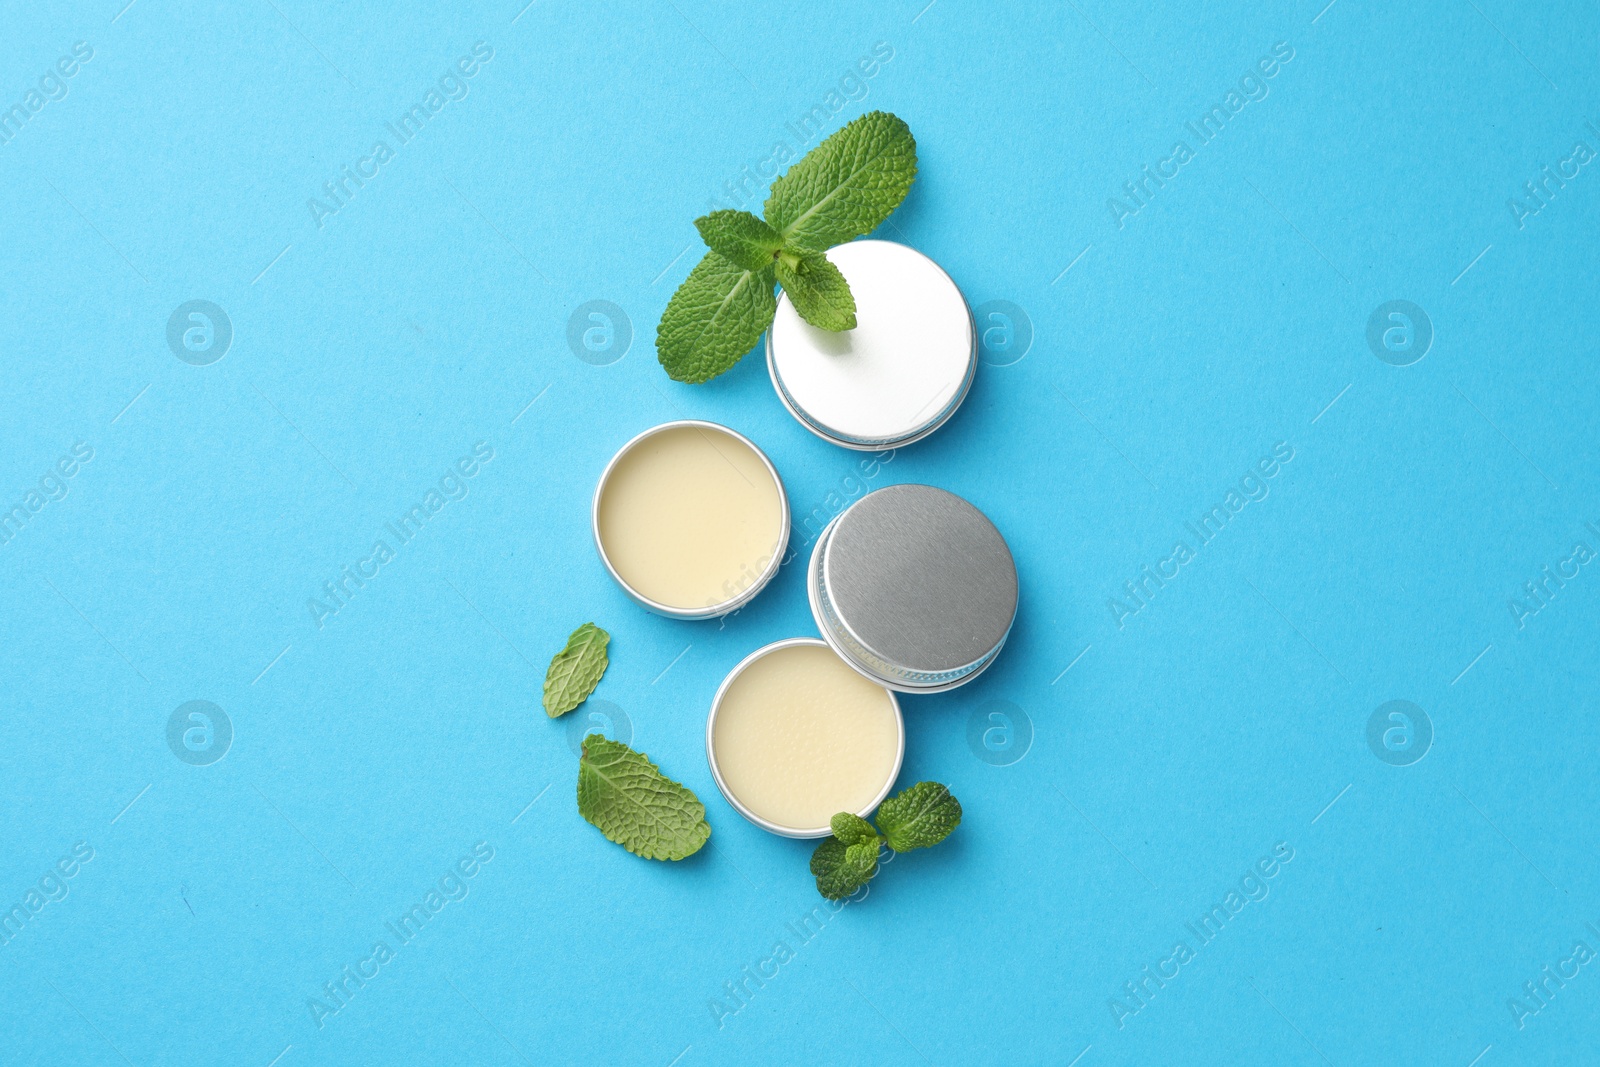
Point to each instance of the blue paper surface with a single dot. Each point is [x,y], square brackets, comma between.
[242,344]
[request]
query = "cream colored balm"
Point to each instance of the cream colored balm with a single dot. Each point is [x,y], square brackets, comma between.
[797,736]
[691,518]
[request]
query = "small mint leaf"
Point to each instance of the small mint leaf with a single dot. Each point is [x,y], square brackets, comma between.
[716,316]
[818,290]
[739,237]
[575,670]
[853,829]
[629,800]
[919,817]
[841,869]
[845,186]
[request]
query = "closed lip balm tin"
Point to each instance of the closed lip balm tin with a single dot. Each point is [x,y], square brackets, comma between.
[914,587]
[895,378]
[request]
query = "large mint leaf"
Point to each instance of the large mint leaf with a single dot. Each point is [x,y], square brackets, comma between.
[919,817]
[740,238]
[819,291]
[575,670]
[630,801]
[716,316]
[846,185]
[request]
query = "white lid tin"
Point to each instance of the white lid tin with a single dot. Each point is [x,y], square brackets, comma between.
[914,587]
[900,373]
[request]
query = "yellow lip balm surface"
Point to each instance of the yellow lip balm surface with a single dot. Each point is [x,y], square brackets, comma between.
[690,517]
[800,737]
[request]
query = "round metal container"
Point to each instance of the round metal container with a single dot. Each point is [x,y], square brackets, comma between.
[895,378]
[914,588]
[722,785]
[745,595]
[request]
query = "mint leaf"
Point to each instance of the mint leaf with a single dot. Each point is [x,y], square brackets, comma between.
[740,238]
[845,186]
[715,317]
[918,817]
[575,670]
[630,801]
[841,869]
[853,829]
[844,862]
[819,292]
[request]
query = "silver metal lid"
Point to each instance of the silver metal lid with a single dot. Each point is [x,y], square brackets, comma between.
[914,587]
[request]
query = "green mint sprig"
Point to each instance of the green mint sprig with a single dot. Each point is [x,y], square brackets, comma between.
[846,861]
[632,803]
[575,670]
[843,188]
[918,817]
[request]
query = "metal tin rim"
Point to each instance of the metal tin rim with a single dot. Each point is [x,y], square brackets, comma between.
[876,444]
[711,749]
[715,610]
[829,626]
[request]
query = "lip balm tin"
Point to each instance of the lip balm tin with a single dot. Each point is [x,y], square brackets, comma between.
[744,595]
[895,378]
[913,587]
[728,793]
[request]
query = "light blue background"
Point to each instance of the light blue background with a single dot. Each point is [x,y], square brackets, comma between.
[1221,719]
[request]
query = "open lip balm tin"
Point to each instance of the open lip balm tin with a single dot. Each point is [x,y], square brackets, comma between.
[677,487]
[810,725]
[895,378]
[914,588]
